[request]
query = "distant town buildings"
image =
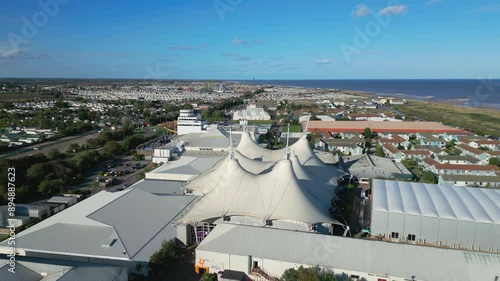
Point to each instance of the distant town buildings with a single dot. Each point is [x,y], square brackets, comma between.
[252,112]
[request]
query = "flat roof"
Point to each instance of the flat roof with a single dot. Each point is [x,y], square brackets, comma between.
[187,165]
[471,178]
[433,200]
[28,268]
[380,126]
[363,255]
[214,137]
[125,225]
[364,164]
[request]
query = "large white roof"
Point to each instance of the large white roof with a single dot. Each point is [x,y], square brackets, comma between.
[313,165]
[289,184]
[111,218]
[230,190]
[252,150]
[432,200]
[363,255]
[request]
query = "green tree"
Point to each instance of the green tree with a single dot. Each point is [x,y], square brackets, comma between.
[368,142]
[428,177]
[165,256]
[379,151]
[83,115]
[494,161]
[307,274]
[73,148]
[209,277]
[187,106]
[38,171]
[141,176]
[55,154]
[85,159]
[131,142]
[111,149]
[138,157]
[451,144]
[50,186]
[367,133]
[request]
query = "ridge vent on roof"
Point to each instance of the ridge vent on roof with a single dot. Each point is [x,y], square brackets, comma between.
[108,243]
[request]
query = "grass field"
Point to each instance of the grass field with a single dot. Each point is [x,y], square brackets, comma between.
[295,128]
[481,120]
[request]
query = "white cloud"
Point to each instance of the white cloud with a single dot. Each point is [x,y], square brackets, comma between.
[486,8]
[361,11]
[236,57]
[393,10]
[9,54]
[18,54]
[188,47]
[237,41]
[320,62]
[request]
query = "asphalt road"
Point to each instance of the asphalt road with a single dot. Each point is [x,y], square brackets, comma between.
[61,144]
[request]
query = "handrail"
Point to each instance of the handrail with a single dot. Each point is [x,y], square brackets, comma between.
[263,274]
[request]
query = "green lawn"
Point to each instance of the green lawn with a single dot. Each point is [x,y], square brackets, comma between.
[295,129]
[483,121]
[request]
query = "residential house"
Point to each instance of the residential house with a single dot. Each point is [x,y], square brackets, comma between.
[416,154]
[392,152]
[455,169]
[428,163]
[490,144]
[474,152]
[429,139]
[495,153]
[395,140]
[434,150]
[472,181]
[346,146]
[459,159]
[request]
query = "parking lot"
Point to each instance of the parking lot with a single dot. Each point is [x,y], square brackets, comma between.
[122,179]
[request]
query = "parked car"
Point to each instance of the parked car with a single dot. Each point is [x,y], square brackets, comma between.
[138,166]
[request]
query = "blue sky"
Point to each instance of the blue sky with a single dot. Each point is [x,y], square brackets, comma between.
[244,39]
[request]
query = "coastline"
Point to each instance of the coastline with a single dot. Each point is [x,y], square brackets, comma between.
[461,99]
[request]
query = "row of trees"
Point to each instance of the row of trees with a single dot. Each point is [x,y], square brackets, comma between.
[165,258]
[42,175]
[312,274]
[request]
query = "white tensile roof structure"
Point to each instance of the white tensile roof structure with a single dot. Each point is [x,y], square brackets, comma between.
[280,186]
[314,166]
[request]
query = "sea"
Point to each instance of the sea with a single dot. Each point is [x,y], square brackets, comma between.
[465,92]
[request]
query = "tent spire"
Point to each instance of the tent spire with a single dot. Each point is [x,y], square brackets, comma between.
[288,135]
[306,130]
[287,150]
[231,146]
